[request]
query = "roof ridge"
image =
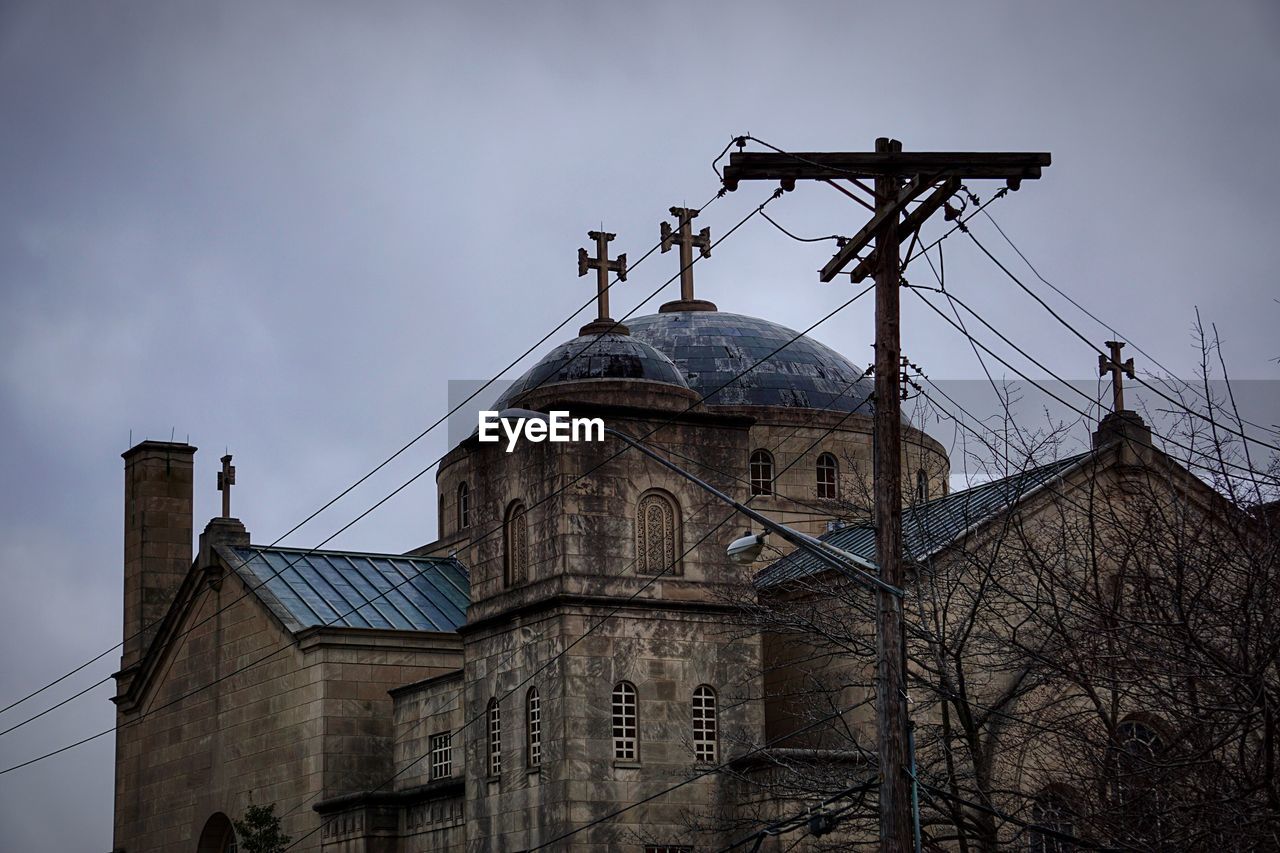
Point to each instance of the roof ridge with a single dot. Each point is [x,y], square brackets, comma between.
[929,526]
[343,552]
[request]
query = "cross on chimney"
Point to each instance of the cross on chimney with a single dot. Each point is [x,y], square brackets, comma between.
[603,266]
[1118,370]
[226,479]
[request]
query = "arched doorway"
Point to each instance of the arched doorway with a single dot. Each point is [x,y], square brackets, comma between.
[219,836]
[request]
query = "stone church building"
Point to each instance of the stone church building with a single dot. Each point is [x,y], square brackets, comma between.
[568,647]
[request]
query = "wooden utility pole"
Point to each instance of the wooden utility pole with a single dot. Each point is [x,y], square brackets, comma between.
[900,180]
[891,688]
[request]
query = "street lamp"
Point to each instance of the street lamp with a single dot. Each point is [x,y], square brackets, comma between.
[747,548]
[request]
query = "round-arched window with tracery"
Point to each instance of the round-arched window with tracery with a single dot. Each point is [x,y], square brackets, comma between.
[657,524]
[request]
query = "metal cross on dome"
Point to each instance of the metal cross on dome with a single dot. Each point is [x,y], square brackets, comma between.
[603,266]
[685,237]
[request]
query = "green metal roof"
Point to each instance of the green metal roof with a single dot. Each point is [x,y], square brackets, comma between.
[356,590]
[927,527]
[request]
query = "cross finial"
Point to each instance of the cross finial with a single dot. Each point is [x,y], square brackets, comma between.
[226,479]
[1118,369]
[603,266]
[685,237]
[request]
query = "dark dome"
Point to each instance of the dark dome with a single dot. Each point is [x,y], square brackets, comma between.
[711,347]
[608,356]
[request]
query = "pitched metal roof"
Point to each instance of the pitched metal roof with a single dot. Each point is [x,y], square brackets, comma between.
[927,527]
[355,590]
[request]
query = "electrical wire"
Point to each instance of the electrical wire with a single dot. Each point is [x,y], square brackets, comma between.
[654,578]
[258,549]
[760,361]
[1101,322]
[771,221]
[378,504]
[702,772]
[1137,377]
[1190,461]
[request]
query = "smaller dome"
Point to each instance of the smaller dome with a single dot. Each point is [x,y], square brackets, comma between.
[609,356]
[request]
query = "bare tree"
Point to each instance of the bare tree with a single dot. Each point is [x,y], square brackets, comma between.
[1092,655]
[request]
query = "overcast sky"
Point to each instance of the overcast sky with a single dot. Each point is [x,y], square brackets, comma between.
[282,228]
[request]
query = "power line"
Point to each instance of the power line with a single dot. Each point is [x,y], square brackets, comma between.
[258,550]
[756,364]
[193,691]
[1172,400]
[1044,830]
[706,771]
[918,290]
[1103,323]
[772,222]
[780,827]
[653,579]
[421,473]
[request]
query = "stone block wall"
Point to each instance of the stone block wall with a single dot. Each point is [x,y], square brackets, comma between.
[665,652]
[182,758]
[237,709]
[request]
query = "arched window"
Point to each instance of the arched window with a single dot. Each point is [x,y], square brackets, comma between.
[218,835]
[625,722]
[657,524]
[761,473]
[515,530]
[1050,812]
[464,506]
[1138,746]
[704,724]
[494,716]
[533,728]
[922,486]
[1137,753]
[828,477]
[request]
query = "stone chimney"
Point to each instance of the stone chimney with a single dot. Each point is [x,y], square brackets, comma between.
[157,536]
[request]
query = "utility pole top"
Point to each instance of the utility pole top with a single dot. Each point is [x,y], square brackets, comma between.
[1014,167]
[1118,370]
[226,479]
[905,176]
[603,266]
[684,237]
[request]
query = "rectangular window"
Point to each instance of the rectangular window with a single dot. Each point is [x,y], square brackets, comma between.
[624,722]
[704,724]
[441,755]
[495,739]
[533,728]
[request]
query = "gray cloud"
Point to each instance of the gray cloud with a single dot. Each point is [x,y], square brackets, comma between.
[284,227]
